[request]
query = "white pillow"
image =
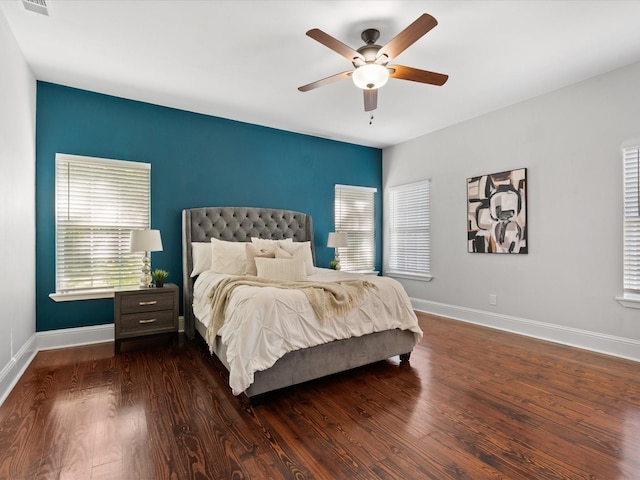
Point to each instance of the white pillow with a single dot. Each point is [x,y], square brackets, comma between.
[301,250]
[282,253]
[270,244]
[228,257]
[285,269]
[201,257]
[254,251]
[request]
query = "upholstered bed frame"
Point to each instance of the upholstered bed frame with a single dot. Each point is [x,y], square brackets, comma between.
[240,224]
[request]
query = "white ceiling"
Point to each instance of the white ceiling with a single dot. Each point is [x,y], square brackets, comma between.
[244,60]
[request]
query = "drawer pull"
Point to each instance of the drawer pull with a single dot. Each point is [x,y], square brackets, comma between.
[152,302]
[151,320]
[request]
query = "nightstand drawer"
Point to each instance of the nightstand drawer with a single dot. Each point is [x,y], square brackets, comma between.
[147,323]
[143,312]
[147,302]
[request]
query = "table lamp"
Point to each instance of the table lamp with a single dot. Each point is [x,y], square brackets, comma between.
[337,240]
[146,241]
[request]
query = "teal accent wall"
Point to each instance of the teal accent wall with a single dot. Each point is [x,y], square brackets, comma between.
[196,161]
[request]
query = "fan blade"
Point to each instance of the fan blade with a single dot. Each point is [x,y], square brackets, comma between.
[326,81]
[408,36]
[335,45]
[417,75]
[370,99]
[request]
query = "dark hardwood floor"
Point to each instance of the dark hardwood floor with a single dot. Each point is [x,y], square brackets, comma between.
[473,403]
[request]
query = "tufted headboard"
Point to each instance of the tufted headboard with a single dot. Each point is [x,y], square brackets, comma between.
[235,224]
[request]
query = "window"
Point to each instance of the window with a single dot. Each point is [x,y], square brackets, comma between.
[354,215]
[409,231]
[631,161]
[98,203]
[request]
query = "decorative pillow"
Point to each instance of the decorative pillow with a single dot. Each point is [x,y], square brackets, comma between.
[282,253]
[254,251]
[228,257]
[285,269]
[201,257]
[301,250]
[268,243]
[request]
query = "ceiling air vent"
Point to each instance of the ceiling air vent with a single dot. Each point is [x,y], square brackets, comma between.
[37,6]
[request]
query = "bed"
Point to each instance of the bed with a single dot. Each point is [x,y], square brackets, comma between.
[298,365]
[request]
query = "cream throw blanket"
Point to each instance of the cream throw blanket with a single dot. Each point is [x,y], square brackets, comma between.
[327,299]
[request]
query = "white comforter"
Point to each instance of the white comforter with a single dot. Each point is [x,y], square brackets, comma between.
[264,323]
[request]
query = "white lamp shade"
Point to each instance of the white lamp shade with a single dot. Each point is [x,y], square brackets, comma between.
[370,76]
[337,240]
[146,241]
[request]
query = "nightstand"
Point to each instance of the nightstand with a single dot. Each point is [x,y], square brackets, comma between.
[145,311]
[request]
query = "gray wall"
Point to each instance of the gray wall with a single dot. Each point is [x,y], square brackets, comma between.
[17,210]
[565,288]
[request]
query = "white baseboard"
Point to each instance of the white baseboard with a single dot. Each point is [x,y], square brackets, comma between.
[597,342]
[66,337]
[13,370]
[574,337]
[52,339]
[73,337]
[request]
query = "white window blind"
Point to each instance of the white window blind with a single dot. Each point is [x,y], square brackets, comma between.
[98,203]
[355,216]
[409,230]
[631,160]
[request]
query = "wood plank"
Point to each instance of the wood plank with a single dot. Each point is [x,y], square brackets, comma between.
[473,403]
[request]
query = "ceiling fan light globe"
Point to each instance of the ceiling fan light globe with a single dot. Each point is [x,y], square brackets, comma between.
[370,76]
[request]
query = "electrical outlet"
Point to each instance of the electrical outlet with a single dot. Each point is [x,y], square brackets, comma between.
[493,299]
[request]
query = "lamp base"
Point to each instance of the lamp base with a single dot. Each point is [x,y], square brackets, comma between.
[336,262]
[145,279]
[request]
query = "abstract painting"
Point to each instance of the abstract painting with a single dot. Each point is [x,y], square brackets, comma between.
[497,212]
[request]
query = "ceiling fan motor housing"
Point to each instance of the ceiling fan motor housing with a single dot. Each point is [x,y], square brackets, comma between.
[371,73]
[370,50]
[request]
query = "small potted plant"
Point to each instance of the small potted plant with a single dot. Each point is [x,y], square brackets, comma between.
[159,277]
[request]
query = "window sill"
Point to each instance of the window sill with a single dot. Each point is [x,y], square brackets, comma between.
[409,276]
[629,300]
[88,294]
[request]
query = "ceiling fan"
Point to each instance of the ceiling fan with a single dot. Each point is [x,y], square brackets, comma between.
[371,61]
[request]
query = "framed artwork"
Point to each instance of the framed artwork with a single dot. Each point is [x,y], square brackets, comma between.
[497,212]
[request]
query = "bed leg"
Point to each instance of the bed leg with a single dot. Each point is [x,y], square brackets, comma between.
[257,400]
[404,357]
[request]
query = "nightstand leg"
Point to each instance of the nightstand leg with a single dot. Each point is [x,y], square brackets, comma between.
[117,346]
